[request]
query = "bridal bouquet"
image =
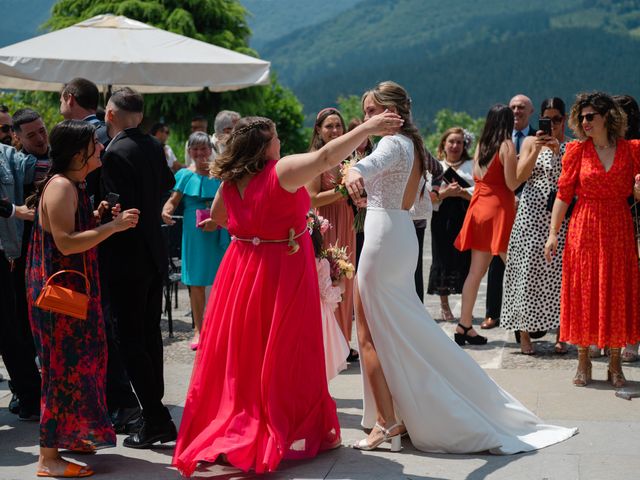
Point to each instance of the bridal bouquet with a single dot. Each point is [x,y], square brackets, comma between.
[358,219]
[340,266]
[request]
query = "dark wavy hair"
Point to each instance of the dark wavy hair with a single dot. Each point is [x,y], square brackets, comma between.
[66,140]
[245,151]
[498,127]
[615,119]
[630,107]
[316,139]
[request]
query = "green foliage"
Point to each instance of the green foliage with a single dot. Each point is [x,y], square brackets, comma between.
[350,107]
[45,103]
[446,119]
[220,22]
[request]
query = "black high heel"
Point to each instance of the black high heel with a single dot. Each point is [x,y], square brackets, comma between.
[462,338]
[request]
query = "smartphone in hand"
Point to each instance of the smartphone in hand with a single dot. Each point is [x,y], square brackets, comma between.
[112,199]
[544,124]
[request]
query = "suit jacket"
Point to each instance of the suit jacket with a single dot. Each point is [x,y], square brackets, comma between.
[134,167]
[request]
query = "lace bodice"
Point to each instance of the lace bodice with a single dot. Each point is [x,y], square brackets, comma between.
[386,171]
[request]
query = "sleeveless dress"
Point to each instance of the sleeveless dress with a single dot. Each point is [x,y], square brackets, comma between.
[201,251]
[72,352]
[599,300]
[258,391]
[492,210]
[340,215]
[336,348]
[532,285]
[445,399]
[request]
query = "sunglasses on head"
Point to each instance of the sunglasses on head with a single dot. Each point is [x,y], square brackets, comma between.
[6,128]
[587,116]
[556,120]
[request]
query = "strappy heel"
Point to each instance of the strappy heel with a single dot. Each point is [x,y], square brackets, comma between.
[396,440]
[583,373]
[614,372]
[462,338]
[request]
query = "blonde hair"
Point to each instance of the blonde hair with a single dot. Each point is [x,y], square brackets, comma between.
[615,119]
[443,139]
[245,151]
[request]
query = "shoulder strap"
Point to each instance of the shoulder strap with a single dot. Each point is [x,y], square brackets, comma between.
[42,231]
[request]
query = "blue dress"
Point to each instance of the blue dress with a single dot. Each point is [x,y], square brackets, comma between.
[202,251]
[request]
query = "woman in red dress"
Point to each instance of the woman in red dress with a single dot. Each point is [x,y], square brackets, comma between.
[599,304]
[258,392]
[334,207]
[491,213]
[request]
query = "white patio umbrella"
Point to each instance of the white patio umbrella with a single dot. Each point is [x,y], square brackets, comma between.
[116,51]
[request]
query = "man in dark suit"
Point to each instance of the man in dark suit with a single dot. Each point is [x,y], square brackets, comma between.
[522,109]
[134,167]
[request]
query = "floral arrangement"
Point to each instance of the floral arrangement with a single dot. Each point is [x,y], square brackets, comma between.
[316,222]
[340,266]
[358,219]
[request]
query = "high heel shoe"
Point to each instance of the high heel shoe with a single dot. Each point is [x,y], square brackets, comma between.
[396,440]
[583,373]
[461,338]
[614,371]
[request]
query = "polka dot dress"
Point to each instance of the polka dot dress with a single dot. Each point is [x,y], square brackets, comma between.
[532,286]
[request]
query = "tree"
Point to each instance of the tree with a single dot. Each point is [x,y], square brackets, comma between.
[42,102]
[446,119]
[220,22]
[350,107]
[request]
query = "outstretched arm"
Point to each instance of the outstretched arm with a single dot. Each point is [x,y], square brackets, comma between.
[295,171]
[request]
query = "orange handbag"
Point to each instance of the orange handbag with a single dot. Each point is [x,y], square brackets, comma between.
[59,299]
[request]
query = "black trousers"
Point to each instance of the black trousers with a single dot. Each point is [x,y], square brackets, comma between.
[421,227]
[494,288]
[136,301]
[16,340]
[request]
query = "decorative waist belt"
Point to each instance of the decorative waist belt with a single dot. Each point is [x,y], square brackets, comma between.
[291,241]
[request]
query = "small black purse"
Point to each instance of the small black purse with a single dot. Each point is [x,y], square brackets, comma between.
[552,198]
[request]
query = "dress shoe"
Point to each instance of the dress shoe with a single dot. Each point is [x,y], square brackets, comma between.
[490,323]
[124,419]
[29,413]
[150,434]
[14,404]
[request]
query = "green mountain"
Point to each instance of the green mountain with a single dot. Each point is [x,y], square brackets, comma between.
[463,54]
[23,19]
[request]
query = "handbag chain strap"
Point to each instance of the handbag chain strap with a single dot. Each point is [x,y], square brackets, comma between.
[42,232]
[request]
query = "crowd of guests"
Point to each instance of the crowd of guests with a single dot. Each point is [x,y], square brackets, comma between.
[550,219]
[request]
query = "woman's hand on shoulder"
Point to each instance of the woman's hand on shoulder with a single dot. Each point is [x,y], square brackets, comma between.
[385,123]
[126,220]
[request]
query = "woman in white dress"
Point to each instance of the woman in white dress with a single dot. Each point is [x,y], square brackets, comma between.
[415,378]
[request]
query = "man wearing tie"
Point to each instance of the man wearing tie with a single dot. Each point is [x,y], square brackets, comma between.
[522,109]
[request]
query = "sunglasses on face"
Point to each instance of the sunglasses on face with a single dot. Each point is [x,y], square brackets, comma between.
[6,128]
[587,116]
[557,120]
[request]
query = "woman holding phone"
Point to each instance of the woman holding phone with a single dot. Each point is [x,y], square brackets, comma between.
[532,286]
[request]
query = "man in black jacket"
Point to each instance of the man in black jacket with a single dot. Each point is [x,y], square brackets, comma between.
[135,168]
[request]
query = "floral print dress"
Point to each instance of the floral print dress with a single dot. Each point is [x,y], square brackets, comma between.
[72,352]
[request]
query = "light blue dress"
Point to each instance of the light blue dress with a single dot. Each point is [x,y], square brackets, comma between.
[202,251]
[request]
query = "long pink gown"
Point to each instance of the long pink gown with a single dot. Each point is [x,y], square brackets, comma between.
[340,215]
[258,391]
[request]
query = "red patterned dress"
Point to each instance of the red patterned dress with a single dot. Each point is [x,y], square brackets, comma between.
[72,352]
[599,299]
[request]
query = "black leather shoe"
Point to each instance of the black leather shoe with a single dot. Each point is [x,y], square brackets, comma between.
[150,434]
[29,413]
[124,419]
[14,404]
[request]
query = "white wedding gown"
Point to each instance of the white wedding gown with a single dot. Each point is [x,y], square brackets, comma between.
[445,399]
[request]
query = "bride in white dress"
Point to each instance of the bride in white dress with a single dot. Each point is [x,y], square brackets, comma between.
[416,379]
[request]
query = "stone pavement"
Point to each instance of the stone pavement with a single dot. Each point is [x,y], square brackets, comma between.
[606,447]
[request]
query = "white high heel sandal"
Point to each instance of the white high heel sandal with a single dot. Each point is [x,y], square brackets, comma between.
[396,440]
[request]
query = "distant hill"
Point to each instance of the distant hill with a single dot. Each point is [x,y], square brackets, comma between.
[272,19]
[464,54]
[22,18]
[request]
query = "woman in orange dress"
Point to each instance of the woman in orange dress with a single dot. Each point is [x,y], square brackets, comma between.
[334,207]
[599,296]
[492,211]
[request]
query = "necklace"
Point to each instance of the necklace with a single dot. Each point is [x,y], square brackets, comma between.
[454,164]
[603,147]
